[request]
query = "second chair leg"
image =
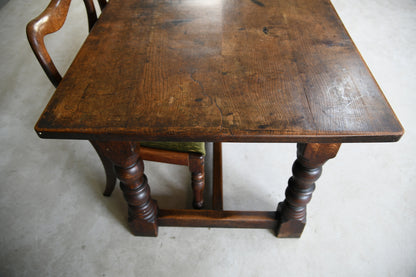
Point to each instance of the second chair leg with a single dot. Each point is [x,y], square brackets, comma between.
[196,166]
[110,174]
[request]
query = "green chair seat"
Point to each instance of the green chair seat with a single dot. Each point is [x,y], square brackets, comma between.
[193,147]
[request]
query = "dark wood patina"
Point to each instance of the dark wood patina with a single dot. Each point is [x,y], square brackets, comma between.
[219,71]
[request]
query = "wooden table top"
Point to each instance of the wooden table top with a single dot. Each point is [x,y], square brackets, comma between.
[219,70]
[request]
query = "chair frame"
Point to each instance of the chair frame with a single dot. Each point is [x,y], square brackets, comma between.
[50,21]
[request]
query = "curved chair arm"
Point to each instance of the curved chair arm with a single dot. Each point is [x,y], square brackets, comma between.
[91,13]
[49,21]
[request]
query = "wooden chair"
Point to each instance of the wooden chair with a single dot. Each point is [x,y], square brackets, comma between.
[188,154]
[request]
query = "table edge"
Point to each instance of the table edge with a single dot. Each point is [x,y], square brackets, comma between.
[221,137]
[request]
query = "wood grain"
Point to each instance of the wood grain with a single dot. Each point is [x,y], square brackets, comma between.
[224,70]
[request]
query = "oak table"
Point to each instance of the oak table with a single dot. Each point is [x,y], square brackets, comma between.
[219,71]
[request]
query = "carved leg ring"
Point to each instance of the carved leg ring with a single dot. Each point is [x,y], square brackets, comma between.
[306,171]
[142,209]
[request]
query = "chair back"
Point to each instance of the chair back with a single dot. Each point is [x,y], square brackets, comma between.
[50,21]
[102,4]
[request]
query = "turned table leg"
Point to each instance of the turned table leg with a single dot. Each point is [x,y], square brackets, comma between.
[306,170]
[142,209]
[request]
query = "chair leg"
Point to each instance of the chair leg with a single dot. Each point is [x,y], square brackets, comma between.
[196,166]
[110,174]
[217,195]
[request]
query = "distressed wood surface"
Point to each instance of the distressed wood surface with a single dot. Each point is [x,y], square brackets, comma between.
[221,70]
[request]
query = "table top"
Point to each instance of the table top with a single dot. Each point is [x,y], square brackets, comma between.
[219,70]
